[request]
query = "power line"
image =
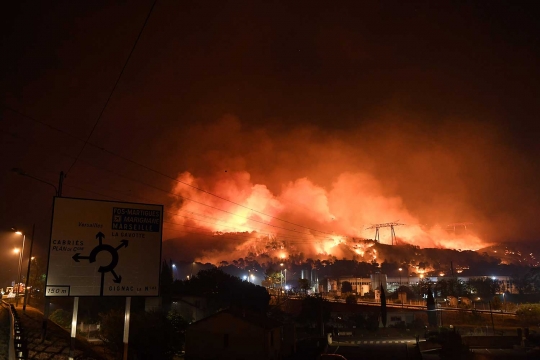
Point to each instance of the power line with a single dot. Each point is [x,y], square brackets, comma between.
[114,87]
[281,236]
[260,231]
[168,176]
[229,236]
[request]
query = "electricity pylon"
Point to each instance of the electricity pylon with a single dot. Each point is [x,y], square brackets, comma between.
[454,225]
[390,225]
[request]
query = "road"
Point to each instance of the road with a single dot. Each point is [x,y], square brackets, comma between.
[490,354]
[379,350]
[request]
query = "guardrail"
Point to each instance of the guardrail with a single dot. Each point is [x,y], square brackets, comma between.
[18,349]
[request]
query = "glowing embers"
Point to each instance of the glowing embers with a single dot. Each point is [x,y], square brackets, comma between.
[334,240]
[362,248]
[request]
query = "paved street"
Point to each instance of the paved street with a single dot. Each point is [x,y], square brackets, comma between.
[375,342]
[377,350]
[490,354]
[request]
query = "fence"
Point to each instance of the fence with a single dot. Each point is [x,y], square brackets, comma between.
[18,349]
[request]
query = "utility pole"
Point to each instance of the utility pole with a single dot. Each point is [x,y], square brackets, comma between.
[47,304]
[27,294]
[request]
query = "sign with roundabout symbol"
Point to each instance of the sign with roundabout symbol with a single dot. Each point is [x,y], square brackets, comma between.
[104,248]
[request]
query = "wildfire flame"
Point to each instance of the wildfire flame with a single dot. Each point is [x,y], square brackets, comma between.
[304,217]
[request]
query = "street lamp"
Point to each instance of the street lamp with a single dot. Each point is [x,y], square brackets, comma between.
[420,283]
[399,291]
[281,277]
[21,252]
[30,258]
[57,192]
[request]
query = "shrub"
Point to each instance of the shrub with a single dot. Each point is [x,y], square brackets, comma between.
[62,318]
[111,330]
[153,335]
[529,313]
[496,304]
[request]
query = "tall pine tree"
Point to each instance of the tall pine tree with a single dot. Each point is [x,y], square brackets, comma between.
[383,306]
[432,314]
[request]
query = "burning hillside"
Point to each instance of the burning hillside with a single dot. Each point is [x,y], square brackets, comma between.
[302,218]
[252,190]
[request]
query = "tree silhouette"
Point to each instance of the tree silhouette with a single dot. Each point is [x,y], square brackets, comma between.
[223,290]
[304,285]
[346,287]
[383,306]
[432,315]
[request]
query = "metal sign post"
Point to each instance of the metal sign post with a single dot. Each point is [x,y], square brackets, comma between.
[126,326]
[73,328]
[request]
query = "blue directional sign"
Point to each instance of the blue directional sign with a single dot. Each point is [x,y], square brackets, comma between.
[103,248]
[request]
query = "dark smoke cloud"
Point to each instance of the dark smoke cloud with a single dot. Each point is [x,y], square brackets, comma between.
[429,172]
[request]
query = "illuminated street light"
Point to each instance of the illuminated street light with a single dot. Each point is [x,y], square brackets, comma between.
[21,253]
[281,277]
[173,270]
[399,293]
[57,192]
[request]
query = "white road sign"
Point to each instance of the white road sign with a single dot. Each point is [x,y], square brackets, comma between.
[104,248]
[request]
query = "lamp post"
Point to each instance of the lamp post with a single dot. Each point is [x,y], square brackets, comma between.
[399,291]
[57,192]
[420,283]
[21,253]
[26,292]
[281,278]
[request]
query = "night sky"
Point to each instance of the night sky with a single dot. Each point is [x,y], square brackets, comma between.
[430,107]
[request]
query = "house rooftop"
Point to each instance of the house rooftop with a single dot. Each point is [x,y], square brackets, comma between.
[248,316]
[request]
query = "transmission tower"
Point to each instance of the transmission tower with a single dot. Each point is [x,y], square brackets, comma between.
[383,225]
[458,225]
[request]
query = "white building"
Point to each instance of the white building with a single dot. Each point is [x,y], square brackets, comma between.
[361,286]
